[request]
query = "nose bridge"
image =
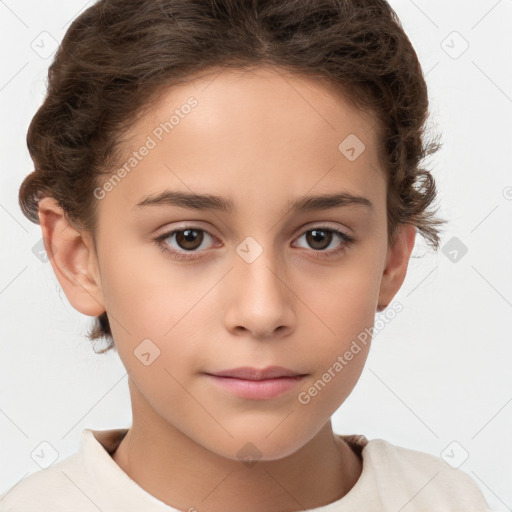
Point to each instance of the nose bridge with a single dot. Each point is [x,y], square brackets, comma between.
[258,265]
[260,298]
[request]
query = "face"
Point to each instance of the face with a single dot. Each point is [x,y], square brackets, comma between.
[193,288]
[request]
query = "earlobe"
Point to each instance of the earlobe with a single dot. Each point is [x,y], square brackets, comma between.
[397,261]
[73,259]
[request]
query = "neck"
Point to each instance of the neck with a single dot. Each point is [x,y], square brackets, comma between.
[187,476]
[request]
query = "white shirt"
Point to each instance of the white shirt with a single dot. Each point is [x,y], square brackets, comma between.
[393,479]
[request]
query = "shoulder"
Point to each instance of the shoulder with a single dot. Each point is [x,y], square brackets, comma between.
[421,479]
[38,491]
[65,485]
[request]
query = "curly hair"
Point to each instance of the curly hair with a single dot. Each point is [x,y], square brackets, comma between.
[119,56]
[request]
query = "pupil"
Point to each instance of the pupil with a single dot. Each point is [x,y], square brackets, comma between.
[318,236]
[188,239]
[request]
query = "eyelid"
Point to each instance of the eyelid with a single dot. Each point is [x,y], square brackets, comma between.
[171,231]
[324,225]
[193,224]
[346,241]
[166,232]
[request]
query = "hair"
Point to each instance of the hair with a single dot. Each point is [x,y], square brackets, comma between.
[119,56]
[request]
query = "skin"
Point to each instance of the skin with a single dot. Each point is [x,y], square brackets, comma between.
[261,138]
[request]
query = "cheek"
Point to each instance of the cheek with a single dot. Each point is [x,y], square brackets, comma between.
[341,302]
[158,313]
[146,292]
[339,316]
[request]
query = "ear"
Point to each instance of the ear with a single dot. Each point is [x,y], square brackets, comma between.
[397,261]
[73,258]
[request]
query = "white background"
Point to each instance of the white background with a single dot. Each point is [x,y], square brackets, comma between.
[439,372]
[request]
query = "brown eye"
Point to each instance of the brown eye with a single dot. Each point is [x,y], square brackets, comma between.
[184,243]
[319,239]
[189,239]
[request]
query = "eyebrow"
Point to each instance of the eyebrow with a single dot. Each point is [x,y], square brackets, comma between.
[204,202]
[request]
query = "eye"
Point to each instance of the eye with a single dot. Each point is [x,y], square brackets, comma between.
[189,240]
[320,238]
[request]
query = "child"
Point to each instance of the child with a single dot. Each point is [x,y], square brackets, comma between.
[286,136]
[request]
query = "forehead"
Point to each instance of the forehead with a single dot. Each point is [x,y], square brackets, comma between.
[251,132]
[268,103]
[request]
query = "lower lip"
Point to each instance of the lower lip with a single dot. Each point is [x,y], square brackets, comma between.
[257,389]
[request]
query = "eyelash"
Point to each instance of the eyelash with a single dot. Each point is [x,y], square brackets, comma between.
[160,241]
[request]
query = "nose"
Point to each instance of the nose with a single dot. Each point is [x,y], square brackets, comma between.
[260,298]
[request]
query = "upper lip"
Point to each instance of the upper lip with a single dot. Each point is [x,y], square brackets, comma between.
[249,373]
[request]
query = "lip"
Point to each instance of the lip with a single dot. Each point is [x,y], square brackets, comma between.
[250,373]
[257,384]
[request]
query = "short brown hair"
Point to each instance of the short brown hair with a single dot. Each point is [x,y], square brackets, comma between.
[118,56]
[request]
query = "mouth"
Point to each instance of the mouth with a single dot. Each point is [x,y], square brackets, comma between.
[257,384]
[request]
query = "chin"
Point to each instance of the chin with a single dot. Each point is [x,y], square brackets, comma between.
[251,445]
